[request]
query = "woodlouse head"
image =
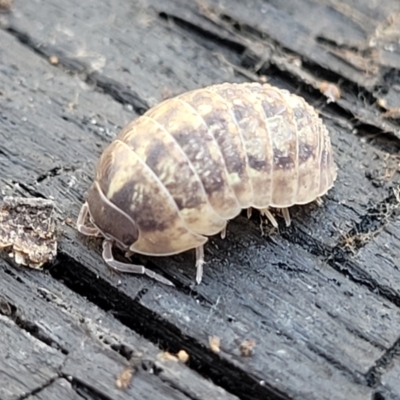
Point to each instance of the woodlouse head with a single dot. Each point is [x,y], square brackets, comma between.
[110,220]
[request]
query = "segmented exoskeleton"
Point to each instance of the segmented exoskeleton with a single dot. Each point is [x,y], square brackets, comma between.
[179,172]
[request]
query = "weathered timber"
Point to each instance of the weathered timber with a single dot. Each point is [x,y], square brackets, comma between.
[351,45]
[81,343]
[267,344]
[26,363]
[390,380]
[325,320]
[379,258]
[59,389]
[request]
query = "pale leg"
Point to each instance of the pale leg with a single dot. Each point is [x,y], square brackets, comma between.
[286,216]
[249,212]
[199,263]
[80,223]
[319,201]
[223,232]
[129,268]
[271,218]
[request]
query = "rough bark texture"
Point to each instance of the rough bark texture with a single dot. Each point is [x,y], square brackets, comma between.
[320,299]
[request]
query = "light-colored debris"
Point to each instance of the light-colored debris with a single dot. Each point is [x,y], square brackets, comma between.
[125,378]
[330,90]
[28,230]
[214,342]
[247,347]
[183,356]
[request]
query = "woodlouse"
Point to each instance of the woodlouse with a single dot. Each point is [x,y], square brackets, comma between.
[179,172]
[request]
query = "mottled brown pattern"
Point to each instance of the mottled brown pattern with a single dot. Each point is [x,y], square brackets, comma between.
[308,142]
[250,118]
[135,190]
[186,126]
[158,149]
[219,119]
[283,131]
[305,152]
[191,163]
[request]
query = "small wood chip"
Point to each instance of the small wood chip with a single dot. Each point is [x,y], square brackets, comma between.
[125,378]
[27,231]
[166,356]
[247,347]
[330,90]
[393,113]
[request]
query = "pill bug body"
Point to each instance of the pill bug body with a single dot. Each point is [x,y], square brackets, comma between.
[179,172]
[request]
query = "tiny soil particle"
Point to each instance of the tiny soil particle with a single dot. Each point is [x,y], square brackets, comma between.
[53,59]
[183,356]
[214,342]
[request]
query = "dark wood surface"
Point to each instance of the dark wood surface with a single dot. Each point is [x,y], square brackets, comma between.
[320,299]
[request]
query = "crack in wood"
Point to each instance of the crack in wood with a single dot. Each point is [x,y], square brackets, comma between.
[375,373]
[84,390]
[53,172]
[16,315]
[371,223]
[119,92]
[159,331]
[38,389]
[277,59]
[192,28]
[29,189]
[339,257]
[149,311]
[109,86]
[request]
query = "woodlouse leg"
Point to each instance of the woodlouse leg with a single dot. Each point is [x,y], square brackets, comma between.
[319,201]
[129,268]
[223,232]
[271,218]
[249,212]
[199,263]
[286,216]
[80,223]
